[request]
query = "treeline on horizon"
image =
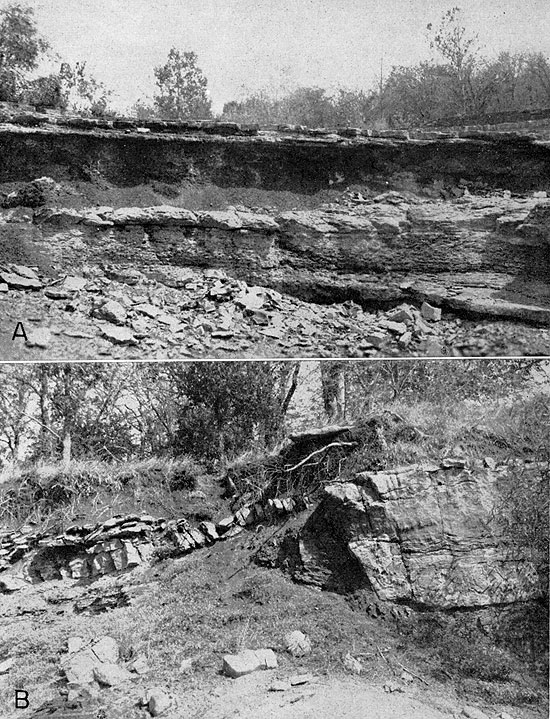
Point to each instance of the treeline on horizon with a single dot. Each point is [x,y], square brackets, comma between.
[460,80]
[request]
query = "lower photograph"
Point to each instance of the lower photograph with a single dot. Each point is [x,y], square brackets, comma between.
[279,539]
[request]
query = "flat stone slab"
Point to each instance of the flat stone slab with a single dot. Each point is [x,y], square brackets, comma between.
[248,661]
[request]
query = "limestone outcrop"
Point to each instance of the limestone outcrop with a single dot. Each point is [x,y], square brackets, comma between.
[481,256]
[424,536]
[288,157]
[121,543]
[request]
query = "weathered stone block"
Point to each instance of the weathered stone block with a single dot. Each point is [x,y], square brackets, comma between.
[110,674]
[102,563]
[248,661]
[209,529]
[133,557]
[106,649]
[418,535]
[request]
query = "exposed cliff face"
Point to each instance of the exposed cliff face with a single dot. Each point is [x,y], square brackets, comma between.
[272,160]
[420,536]
[472,255]
[409,230]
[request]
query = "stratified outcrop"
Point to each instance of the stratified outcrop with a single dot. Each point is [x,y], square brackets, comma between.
[425,536]
[482,256]
[456,219]
[121,543]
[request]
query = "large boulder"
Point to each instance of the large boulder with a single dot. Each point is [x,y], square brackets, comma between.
[424,536]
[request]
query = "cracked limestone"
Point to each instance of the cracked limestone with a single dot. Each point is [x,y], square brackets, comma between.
[419,535]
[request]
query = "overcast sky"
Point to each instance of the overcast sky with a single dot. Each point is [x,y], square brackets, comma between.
[262,43]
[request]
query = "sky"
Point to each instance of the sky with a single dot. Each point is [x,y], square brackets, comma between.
[254,44]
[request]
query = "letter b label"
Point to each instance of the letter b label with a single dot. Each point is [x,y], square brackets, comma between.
[21,699]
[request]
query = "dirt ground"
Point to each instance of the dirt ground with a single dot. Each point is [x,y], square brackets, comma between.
[324,698]
[210,603]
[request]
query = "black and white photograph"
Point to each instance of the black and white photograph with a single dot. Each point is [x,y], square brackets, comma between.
[274,359]
[249,179]
[275,539]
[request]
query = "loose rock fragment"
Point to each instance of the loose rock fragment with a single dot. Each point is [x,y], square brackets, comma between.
[140,665]
[57,293]
[74,284]
[159,702]
[75,644]
[6,665]
[112,311]
[297,643]
[186,665]
[301,679]
[248,661]
[392,686]
[106,649]
[473,713]
[110,674]
[352,664]
[40,337]
[118,335]
[19,282]
[430,313]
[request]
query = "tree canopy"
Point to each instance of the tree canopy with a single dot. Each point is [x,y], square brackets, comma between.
[182,88]
[21,48]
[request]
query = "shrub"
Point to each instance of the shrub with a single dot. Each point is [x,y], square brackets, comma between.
[462,648]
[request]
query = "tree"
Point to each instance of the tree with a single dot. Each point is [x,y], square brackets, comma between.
[231,407]
[182,87]
[143,110]
[416,95]
[20,49]
[451,40]
[81,92]
[334,390]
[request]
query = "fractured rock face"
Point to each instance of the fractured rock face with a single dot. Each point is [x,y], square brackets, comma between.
[416,535]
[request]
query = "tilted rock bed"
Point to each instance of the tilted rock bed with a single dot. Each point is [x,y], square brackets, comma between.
[359,278]
[119,544]
[423,535]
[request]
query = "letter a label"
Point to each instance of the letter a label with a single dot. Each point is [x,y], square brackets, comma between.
[19,332]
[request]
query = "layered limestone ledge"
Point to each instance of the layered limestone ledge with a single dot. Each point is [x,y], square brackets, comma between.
[117,545]
[294,159]
[482,256]
[419,535]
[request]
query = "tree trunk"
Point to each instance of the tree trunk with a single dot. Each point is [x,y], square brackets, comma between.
[67,415]
[334,390]
[67,446]
[47,448]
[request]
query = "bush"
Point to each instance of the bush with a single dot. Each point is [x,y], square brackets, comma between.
[56,492]
[462,648]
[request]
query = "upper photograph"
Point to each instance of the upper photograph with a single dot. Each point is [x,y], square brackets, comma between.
[329,178]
